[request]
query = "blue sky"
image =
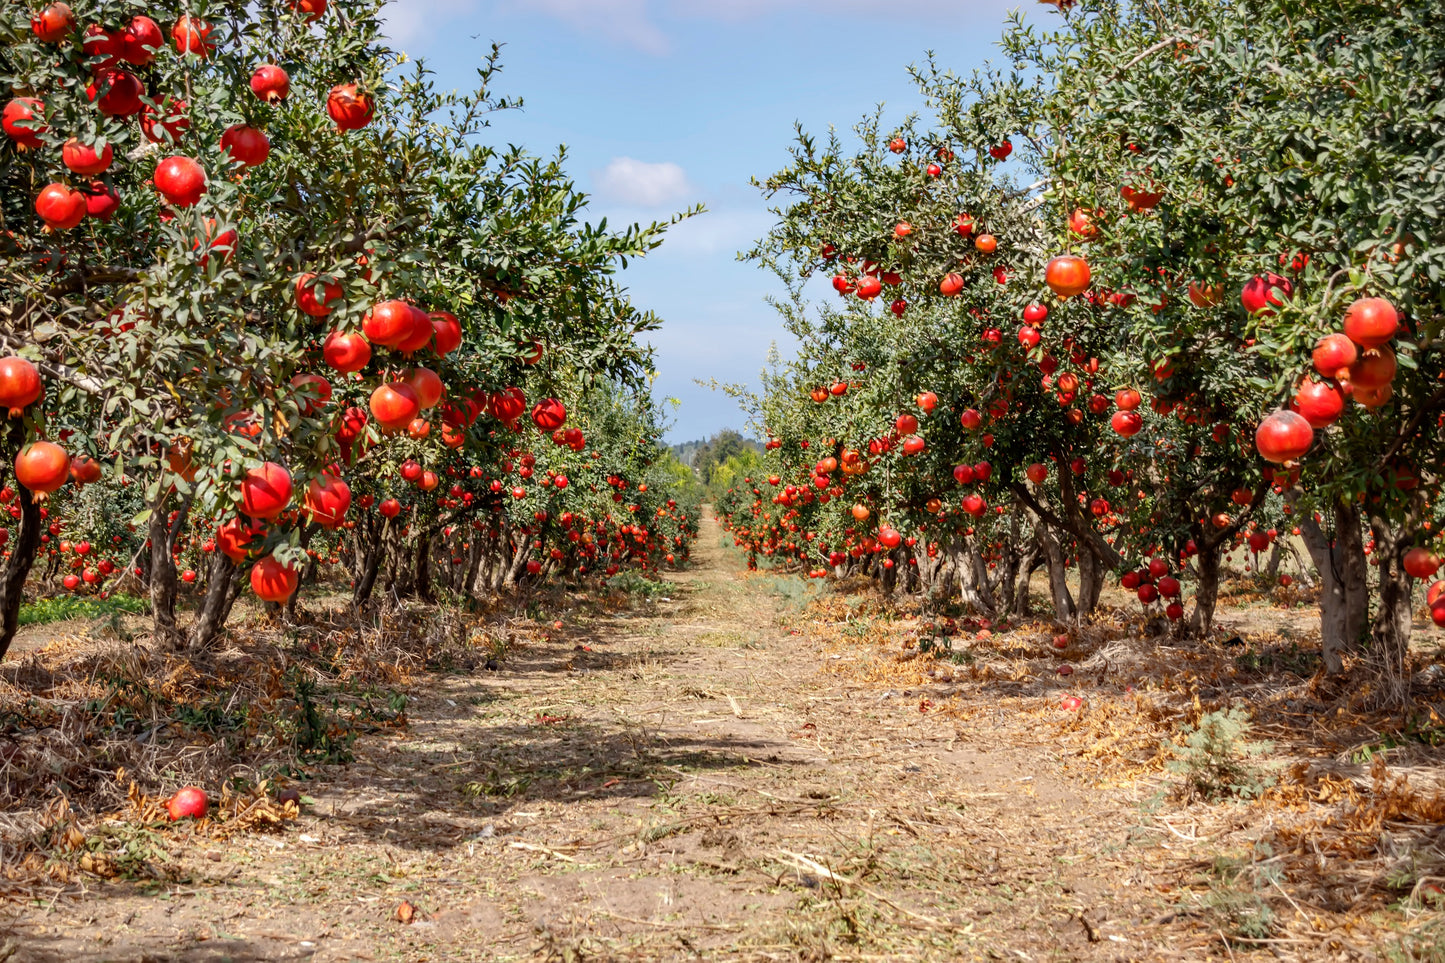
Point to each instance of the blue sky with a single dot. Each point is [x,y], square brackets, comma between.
[667,103]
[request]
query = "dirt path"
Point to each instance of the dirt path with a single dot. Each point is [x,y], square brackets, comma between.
[685,780]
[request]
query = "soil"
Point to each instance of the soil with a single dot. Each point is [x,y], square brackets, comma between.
[693,778]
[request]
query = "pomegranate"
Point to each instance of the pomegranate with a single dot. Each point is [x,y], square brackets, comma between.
[140,40]
[420,334]
[447,331]
[169,125]
[191,36]
[60,207]
[311,9]
[388,323]
[1266,291]
[951,285]
[428,387]
[394,405]
[1333,355]
[507,405]
[266,491]
[549,414]
[345,351]
[1283,437]
[1205,295]
[101,201]
[188,803]
[23,121]
[272,581]
[906,424]
[42,467]
[1420,562]
[53,24]
[1036,473]
[1081,225]
[83,158]
[1374,369]
[327,499]
[1321,403]
[389,508]
[247,146]
[1370,322]
[122,96]
[1067,275]
[349,107]
[180,180]
[1127,423]
[20,385]
[270,83]
[313,385]
[314,298]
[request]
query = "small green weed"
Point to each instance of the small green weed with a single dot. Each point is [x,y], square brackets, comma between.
[63,607]
[1235,897]
[1216,759]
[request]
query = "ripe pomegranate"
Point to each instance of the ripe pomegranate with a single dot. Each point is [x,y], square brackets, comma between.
[23,121]
[447,331]
[1036,473]
[549,414]
[1373,397]
[869,287]
[420,334]
[1374,369]
[60,207]
[951,285]
[1081,225]
[349,107]
[316,386]
[389,323]
[986,243]
[1035,314]
[266,491]
[101,201]
[327,500]
[272,581]
[905,424]
[345,351]
[507,405]
[169,125]
[1321,403]
[1266,291]
[927,401]
[1283,436]
[188,803]
[42,467]
[1067,275]
[1333,355]
[191,36]
[427,385]
[913,445]
[140,40]
[247,146]
[180,180]
[20,385]
[83,159]
[394,405]
[53,24]
[1029,336]
[1370,322]
[270,83]
[311,9]
[389,508]
[1205,295]
[1126,423]
[122,93]
[1420,562]
[314,297]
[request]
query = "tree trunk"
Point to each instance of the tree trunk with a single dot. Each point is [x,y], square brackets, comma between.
[1064,608]
[1343,593]
[1390,634]
[1206,595]
[223,585]
[370,566]
[1091,581]
[421,580]
[164,583]
[22,549]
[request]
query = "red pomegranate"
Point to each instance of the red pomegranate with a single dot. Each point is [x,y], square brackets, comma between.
[1036,473]
[83,158]
[394,405]
[180,180]
[235,537]
[191,36]
[20,385]
[388,323]
[272,581]
[905,424]
[315,386]
[188,803]
[1127,423]
[169,125]
[311,9]
[1067,275]
[84,470]
[60,207]
[1420,562]
[53,24]
[1374,369]
[389,508]
[349,107]
[23,121]
[420,334]
[951,285]
[549,414]
[427,385]
[327,500]
[42,467]
[1321,403]
[1370,322]
[507,405]
[246,145]
[314,297]
[101,201]
[447,331]
[1127,399]
[1205,295]
[1333,355]
[266,491]
[346,351]
[1283,437]
[1266,291]
[122,93]
[140,41]
[270,83]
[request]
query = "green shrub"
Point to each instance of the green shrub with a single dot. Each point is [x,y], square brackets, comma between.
[1216,759]
[63,607]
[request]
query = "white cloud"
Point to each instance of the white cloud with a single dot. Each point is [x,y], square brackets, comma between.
[408,21]
[625,21]
[628,181]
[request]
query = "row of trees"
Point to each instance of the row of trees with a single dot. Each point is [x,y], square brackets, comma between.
[272,297]
[1069,304]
